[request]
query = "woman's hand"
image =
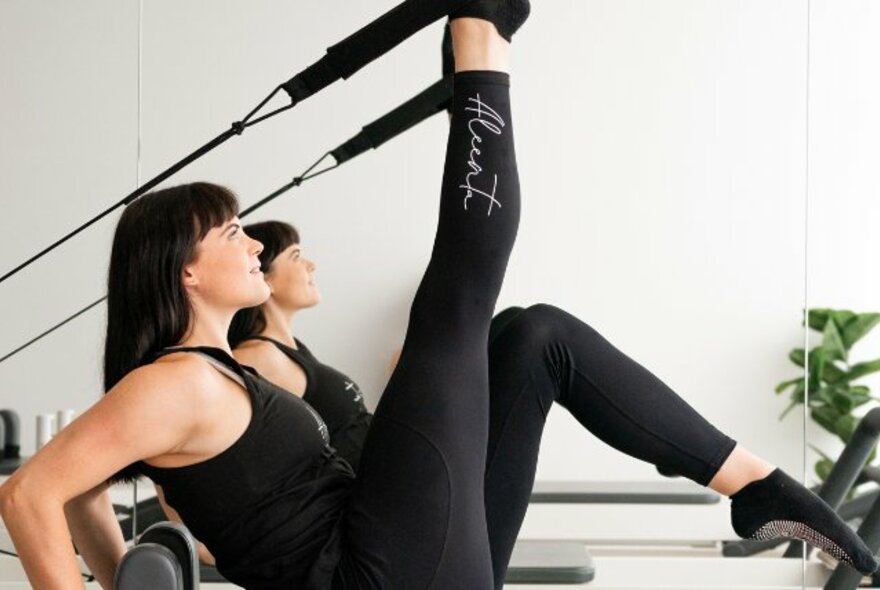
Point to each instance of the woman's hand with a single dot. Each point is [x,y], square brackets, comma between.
[96,533]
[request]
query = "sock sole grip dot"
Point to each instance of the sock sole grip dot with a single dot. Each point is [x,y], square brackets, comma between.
[776,529]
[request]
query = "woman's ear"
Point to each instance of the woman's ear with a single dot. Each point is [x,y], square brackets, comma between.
[190,280]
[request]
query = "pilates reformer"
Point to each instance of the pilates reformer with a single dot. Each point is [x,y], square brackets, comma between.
[533,561]
[10,435]
[165,558]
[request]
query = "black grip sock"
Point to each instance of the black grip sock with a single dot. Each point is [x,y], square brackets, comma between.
[778,506]
[507,15]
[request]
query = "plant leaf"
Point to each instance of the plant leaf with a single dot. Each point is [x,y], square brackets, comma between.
[858,397]
[861,369]
[832,343]
[826,417]
[790,407]
[797,394]
[845,427]
[842,317]
[820,452]
[818,317]
[858,327]
[843,402]
[797,356]
[818,361]
[823,468]
[831,373]
[786,384]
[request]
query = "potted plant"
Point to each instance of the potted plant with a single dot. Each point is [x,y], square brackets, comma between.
[830,387]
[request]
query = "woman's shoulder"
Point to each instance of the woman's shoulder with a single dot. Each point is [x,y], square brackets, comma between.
[168,377]
[260,354]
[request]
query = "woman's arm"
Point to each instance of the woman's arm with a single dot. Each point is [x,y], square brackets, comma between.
[149,413]
[395,359]
[205,556]
[96,533]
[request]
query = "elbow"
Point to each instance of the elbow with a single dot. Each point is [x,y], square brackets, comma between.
[7,498]
[16,497]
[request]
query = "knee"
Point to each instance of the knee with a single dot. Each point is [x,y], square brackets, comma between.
[539,324]
[544,311]
[545,322]
[542,324]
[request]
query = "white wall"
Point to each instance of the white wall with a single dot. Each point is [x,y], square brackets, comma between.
[68,149]
[661,150]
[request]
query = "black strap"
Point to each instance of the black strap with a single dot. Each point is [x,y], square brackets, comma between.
[428,102]
[280,345]
[418,108]
[217,354]
[235,129]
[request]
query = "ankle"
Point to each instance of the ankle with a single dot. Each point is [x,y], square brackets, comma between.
[739,469]
[478,46]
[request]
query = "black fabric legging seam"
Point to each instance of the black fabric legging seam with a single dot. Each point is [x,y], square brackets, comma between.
[635,423]
[448,486]
[506,421]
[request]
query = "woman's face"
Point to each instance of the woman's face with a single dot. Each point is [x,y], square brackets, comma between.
[291,278]
[225,272]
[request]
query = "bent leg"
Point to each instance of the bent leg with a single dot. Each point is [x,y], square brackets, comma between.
[546,355]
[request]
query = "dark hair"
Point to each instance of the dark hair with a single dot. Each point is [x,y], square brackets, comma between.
[147,305]
[276,236]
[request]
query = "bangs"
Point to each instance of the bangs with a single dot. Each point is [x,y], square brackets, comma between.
[211,206]
[276,236]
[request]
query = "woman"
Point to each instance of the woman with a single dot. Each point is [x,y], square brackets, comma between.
[247,465]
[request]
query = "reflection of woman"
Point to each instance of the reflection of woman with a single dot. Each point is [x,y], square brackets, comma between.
[249,466]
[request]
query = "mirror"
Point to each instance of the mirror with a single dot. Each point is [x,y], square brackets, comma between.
[843,290]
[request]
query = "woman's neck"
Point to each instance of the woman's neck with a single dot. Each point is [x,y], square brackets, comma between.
[278,324]
[208,328]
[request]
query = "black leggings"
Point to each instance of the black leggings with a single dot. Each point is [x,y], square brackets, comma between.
[542,355]
[416,517]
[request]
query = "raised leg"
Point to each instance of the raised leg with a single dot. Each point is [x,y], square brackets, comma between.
[416,517]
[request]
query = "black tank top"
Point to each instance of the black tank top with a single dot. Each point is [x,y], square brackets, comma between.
[270,506]
[336,397]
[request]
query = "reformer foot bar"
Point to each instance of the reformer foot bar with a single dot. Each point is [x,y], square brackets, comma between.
[592,492]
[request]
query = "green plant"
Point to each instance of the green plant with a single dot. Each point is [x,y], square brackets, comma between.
[830,389]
